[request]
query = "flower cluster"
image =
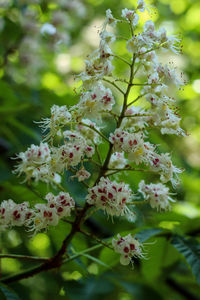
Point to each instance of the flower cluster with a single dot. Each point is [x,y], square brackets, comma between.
[128,247]
[157,195]
[73,136]
[45,164]
[39,217]
[13,214]
[49,214]
[34,163]
[92,103]
[60,117]
[111,196]
[133,144]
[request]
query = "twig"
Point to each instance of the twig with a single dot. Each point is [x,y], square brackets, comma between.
[145,84]
[115,85]
[137,115]
[25,257]
[96,163]
[81,253]
[93,236]
[122,59]
[59,186]
[97,131]
[140,96]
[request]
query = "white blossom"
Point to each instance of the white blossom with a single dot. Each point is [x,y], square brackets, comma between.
[157,195]
[82,175]
[60,117]
[110,196]
[118,161]
[131,16]
[128,247]
[94,101]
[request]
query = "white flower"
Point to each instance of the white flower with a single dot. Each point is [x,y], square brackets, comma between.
[106,37]
[110,196]
[34,162]
[82,175]
[167,119]
[163,165]
[157,194]
[109,18]
[138,150]
[63,203]
[60,117]
[131,16]
[141,5]
[128,247]
[48,28]
[70,154]
[13,214]
[94,101]
[45,215]
[118,161]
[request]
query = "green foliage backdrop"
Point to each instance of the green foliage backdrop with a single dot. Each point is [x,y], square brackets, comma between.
[29,86]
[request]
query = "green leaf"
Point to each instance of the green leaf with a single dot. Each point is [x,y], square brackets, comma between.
[190,249]
[88,289]
[152,266]
[140,291]
[146,234]
[109,258]
[8,293]
[96,260]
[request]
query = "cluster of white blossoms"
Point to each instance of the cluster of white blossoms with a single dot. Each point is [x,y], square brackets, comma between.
[73,136]
[39,217]
[128,247]
[92,103]
[157,195]
[13,214]
[111,196]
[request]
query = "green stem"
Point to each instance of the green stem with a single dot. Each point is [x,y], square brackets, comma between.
[93,236]
[82,253]
[137,115]
[25,257]
[115,85]
[121,58]
[140,96]
[97,131]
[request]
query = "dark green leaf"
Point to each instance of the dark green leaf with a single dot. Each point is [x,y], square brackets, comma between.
[8,293]
[190,249]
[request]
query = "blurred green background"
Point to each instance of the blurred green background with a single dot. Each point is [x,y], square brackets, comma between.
[37,71]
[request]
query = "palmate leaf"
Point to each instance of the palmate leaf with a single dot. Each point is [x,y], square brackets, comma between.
[7,293]
[190,249]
